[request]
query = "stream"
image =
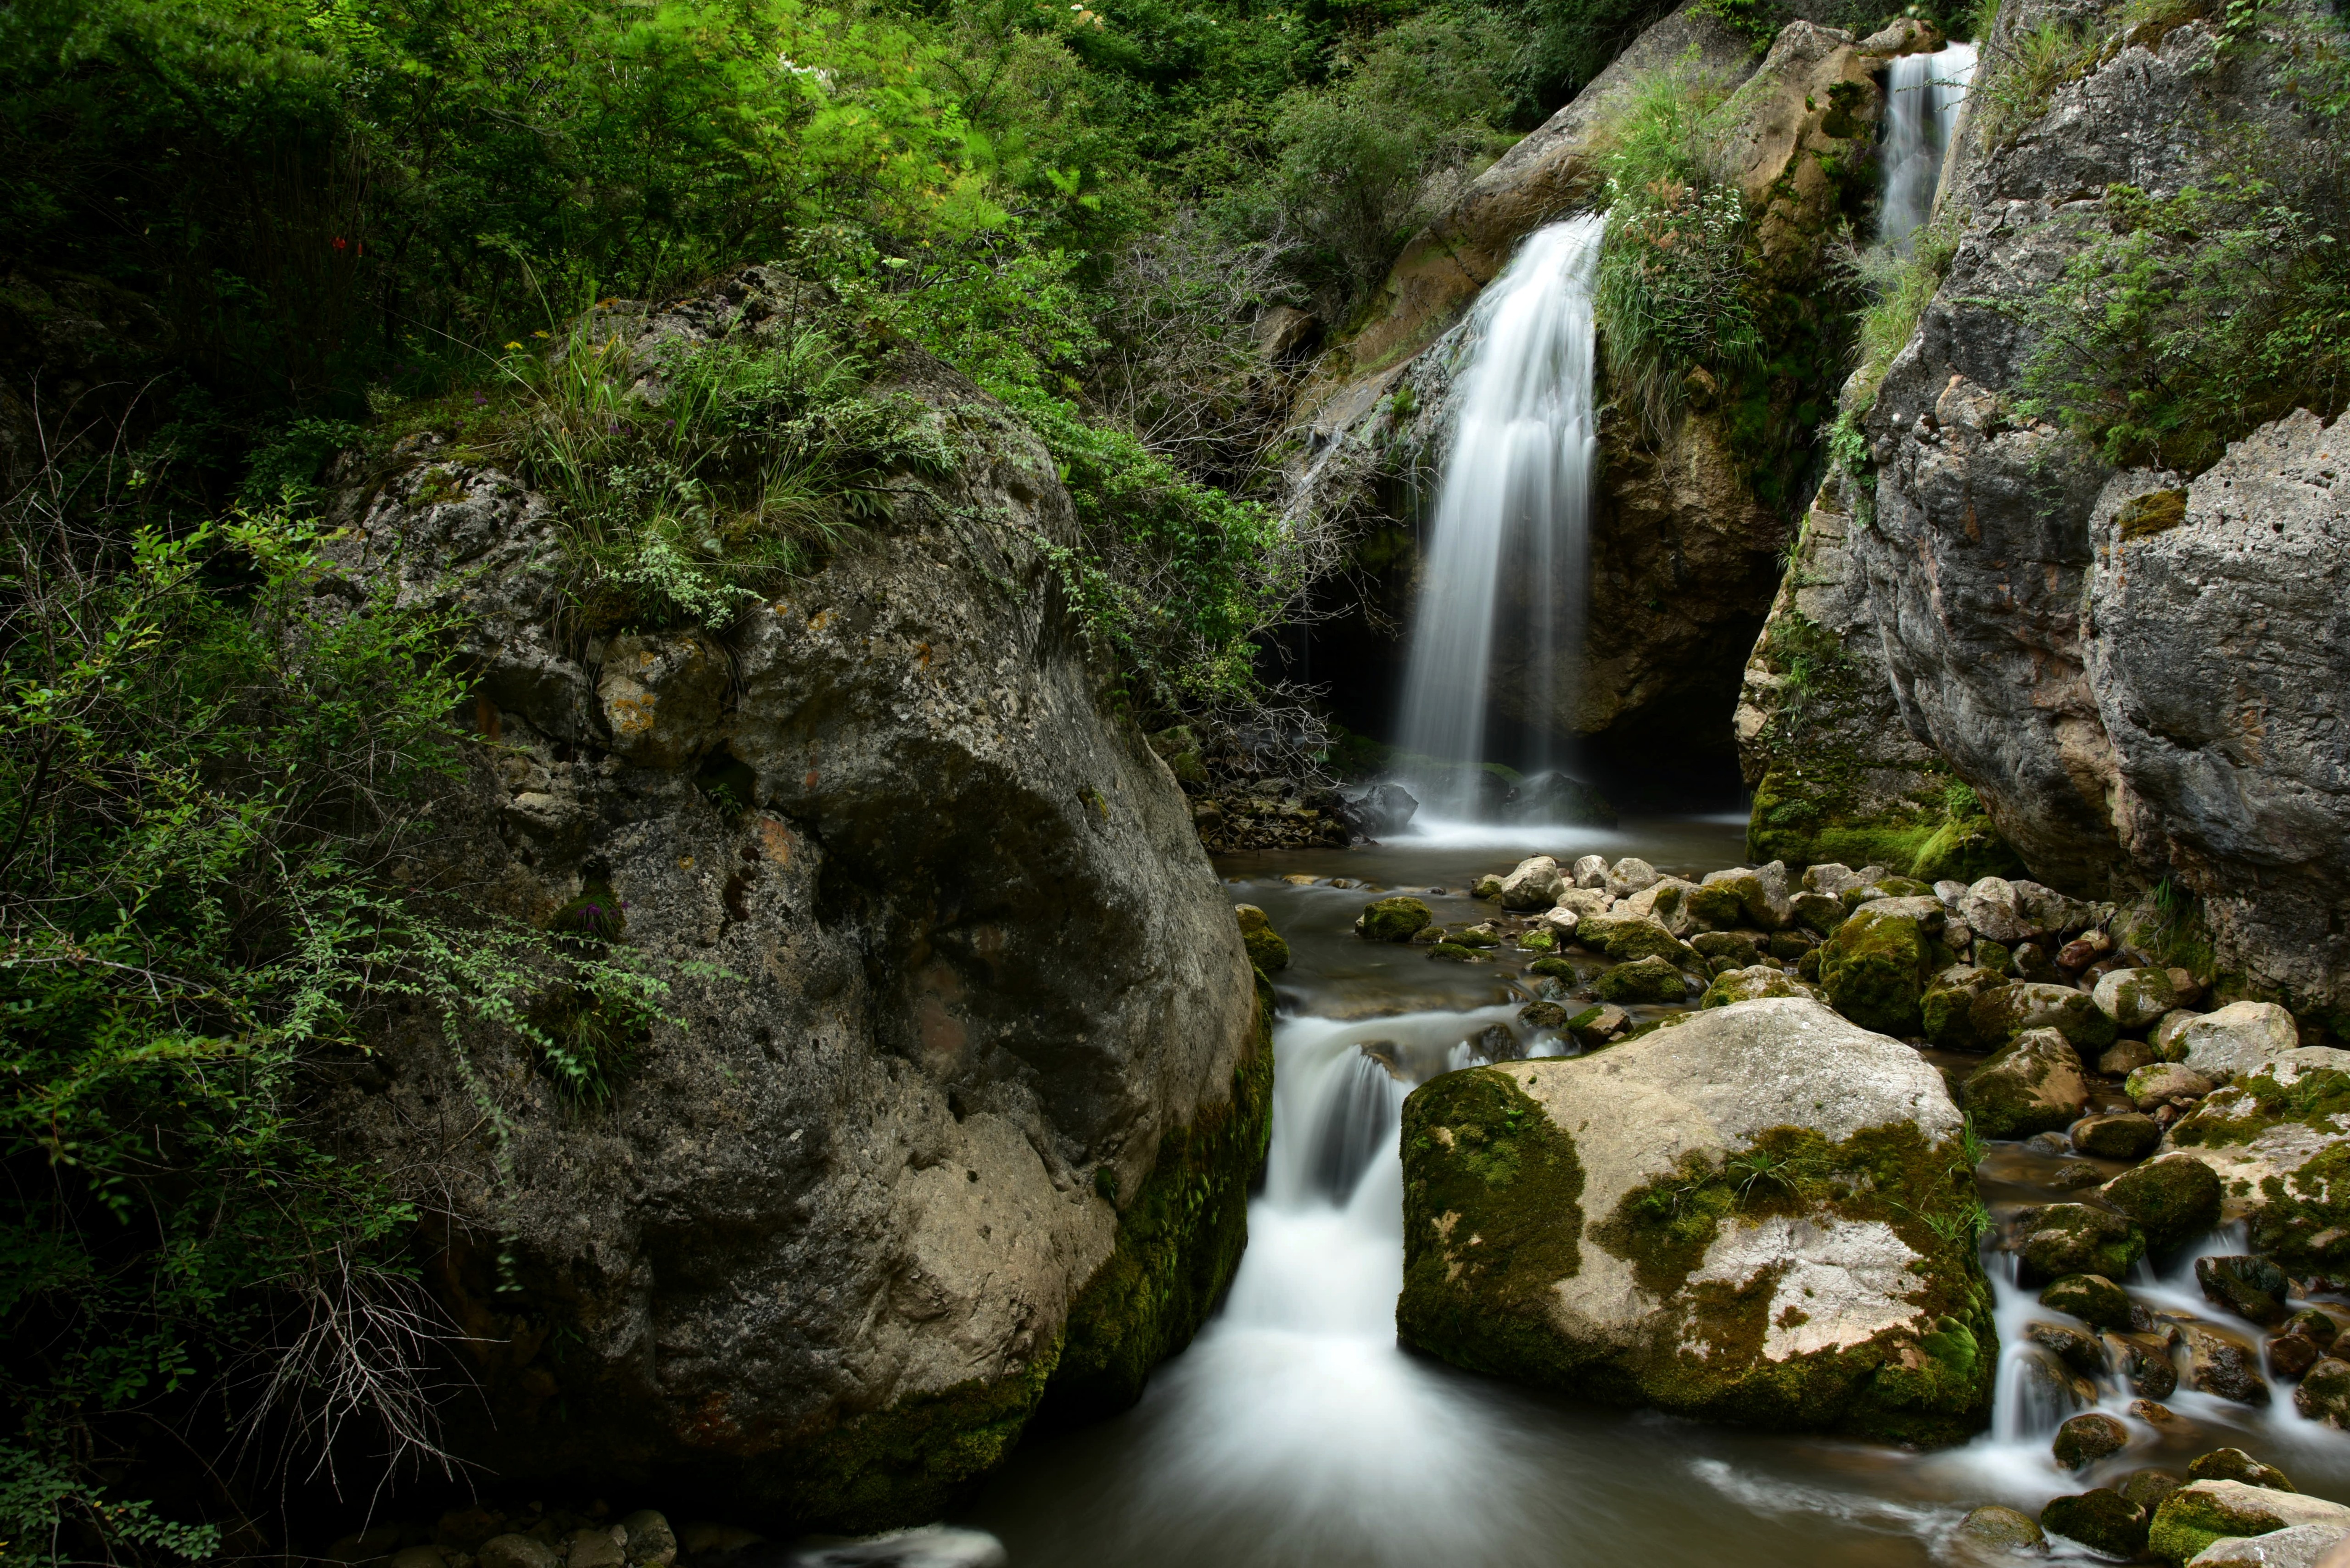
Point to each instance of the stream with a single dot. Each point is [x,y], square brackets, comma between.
[1297,1431]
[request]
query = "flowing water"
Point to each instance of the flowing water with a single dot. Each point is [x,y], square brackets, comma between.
[1514,509]
[1923,93]
[1297,1433]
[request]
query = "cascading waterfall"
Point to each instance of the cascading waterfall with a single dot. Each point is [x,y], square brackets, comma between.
[1516,492]
[1923,93]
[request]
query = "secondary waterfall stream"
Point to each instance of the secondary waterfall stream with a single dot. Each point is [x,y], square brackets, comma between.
[1515,498]
[1923,95]
[1297,1433]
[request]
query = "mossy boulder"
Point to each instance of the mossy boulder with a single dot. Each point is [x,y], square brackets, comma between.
[1651,979]
[1874,968]
[2001,1013]
[1946,1010]
[1753,982]
[2103,1520]
[1455,952]
[1267,949]
[2000,1531]
[2202,1511]
[2278,1142]
[2087,1438]
[2032,1085]
[2074,1238]
[1629,937]
[2093,1298]
[1543,1015]
[1715,906]
[2325,1394]
[2165,1083]
[2234,1464]
[1966,849]
[2251,1288]
[2135,998]
[1756,1214]
[1482,935]
[1396,919]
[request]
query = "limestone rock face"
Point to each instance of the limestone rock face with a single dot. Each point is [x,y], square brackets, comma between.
[957,1001]
[1709,1219]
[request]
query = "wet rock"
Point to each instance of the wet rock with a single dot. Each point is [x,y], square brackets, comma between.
[1755,981]
[1544,1242]
[2174,1199]
[2219,1363]
[2074,1238]
[2121,1134]
[1946,1012]
[2075,1176]
[1665,901]
[1626,939]
[2031,1085]
[2165,1083]
[1998,1530]
[2034,963]
[1630,876]
[2240,1038]
[2001,1013]
[2325,1394]
[2102,1519]
[1762,893]
[1740,946]
[1378,810]
[2125,1057]
[1497,1043]
[1485,934]
[514,1551]
[2148,1487]
[1533,885]
[1819,912]
[2235,1465]
[1543,1015]
[2093,1298]
[1267,949]
[928,1546]
[1590,874]
[649,1540]
[2312,1326]
[1396,919]
[1650,980]
[2144,1362]
[596,1547]
[2249,1287]
[1454,952]
[1791,944]
[1875,966]
[2297,1546]
[2290,1355]
[2088,1437]
[2134,998]
[1596,1026]
[1582,903]
[2083,1353]
[2202,1511]
[2279,1141]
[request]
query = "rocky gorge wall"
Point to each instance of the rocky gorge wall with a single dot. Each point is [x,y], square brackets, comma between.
[963,1076]
[2137,671]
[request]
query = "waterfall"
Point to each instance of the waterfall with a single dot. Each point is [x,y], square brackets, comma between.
[1923,93]
[1515,497]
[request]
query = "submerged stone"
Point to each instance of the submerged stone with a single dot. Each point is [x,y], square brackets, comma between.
[1395,919]
[2102,1519]
[1267,949]
[1651,979]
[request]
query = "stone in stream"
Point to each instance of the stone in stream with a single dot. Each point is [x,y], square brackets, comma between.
[2148,1487]
[2033,1085]
[2144,1362]
[2203,1511]
[1741,946]
[2085,1439]
[1946,1012]
[2000,1532]
[1596,1026]
[2239,1039]
[2165,1083]
[1534,885]
[2116,1135]
[1455,952]
[1752,982]
[2249,1287]
[515,1552]
[1580,902]
[2220,1363]
[2125,1057]
[1543,1015]
[2174,1199]
[2074,1238]
[1626,938]
[2083,1353]
[2234,1464]
[2000,1012]
[1759,896]
[1665,901]
[2279,1141]
[1630,876]
[1875,966]
[1819,912]
[2134,998]
[593,1548]
[649,1540]
[2325,1394]
[2290,1355]
[1396,919]
[2093,1298]
[2165,1039]
[2102,1519]
[1590,872]
[1267,949]
[2313,1325]
[1765,1180]
[1651,978]
[2296,1546]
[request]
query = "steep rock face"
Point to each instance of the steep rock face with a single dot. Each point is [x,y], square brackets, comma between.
[965,1079]
[1742,1216]
[2127,704]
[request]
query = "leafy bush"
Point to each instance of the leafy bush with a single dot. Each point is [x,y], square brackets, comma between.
[2194,319]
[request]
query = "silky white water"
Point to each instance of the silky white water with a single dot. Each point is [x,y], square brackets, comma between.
[1515,497]
[1923,95]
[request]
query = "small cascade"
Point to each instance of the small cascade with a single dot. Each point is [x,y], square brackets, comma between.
[1923,93]
[1515,499]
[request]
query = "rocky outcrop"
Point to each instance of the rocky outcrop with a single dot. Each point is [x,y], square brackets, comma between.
[2279,1141]
[2139,673]
[1746,1214]
[953,1103]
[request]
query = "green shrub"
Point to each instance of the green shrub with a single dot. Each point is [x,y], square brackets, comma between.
[2022,77]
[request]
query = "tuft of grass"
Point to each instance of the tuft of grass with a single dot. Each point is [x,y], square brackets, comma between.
[2025,73]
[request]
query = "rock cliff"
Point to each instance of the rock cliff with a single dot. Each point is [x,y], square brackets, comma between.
[963,1077]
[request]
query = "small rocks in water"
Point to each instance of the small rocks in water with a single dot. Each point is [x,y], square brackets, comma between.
[2103,1520]
[1543,1015]
[2125,1057]
[2217,1364]
[2165,1083]
[2144,1360]
[2093,1298]
[2296,1546]
[1267,949]
[2116,1135]
[2085,1439]
[2313,1325]
[2083,1353]
[1534,885]
[1453,952]
[2074,1238]
[2289,1356]
[2148,1487]
[1994,1528]
[2053,1143]
[1299,879]
[932,1546]
[1590,872]
[1497,1043]
[1395,919]
[1652,980]
[2235,1465]
[2249,1287]
[1485,934]
[2325,1394]
[2174,1199]
[2158,1415]
[1596,1026]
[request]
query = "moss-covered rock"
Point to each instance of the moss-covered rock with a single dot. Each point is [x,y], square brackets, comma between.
[2103,1520]
[1483,935]
[1396,919]
[2235,1465]
[2201,1512]
[1543,1015]
[1455,952]
[2279,1141]
[2325,1394]
[2000,1531]
[2074,1238]
[2148,1487]
[1267,949]
[2001,1013]
[1651,979]
[2093,1298]
[2165,1083]
[1781,1235]
[2087,1438]
[2031,1085]
[2116,1135]
[1629,937]
[1874,968]
[2251,1288]
[1754,981]
[1966,849]
[1946,1010]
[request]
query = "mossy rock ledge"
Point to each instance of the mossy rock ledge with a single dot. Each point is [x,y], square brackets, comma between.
[2279,1141]
[1758,1213]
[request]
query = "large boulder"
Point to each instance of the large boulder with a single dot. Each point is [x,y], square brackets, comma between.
[956,1095]
[2278,1142]
[1756,1213]
[1999,1014]
[2031,1085]
[2240,1038]
[2203,1511]
[1874,968]
[2174,1199]
[1629,937]
[2134,998]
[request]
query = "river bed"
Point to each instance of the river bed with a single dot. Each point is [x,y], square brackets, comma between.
[1296,1432]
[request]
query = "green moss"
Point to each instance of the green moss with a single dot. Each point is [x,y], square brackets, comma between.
[2189,1519]
[1453,952]
[1875,970]
[1396,919]
[1267,949]
[1627,939]
[2171,1200]
[2103,1520]
[1966,849]
[1178,1242]
[2303,1218]
[2002,1096]
[1645,980]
